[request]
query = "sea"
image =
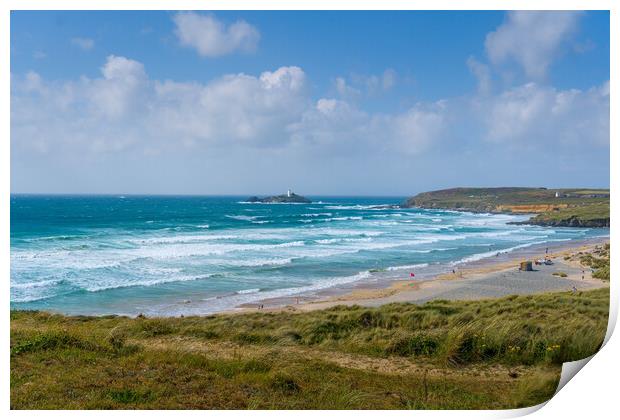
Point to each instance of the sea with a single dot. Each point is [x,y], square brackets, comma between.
[172,255]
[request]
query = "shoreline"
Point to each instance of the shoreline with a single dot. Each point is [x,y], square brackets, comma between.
[493,277]
[474,279]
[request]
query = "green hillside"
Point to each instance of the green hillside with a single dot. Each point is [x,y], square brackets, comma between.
[558,207]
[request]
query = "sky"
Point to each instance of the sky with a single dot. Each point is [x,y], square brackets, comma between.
[327,103]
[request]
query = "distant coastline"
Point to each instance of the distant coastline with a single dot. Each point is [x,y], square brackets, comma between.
[576,207]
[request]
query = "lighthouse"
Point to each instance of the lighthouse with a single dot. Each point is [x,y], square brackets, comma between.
[289,192]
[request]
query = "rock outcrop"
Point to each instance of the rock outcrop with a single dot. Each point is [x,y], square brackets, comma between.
[284,198]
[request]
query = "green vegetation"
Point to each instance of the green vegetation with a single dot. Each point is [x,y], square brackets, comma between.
[501,353]
[586,215]
[571,207]
[560,274]
[598,260]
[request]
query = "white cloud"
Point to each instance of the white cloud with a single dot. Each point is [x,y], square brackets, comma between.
[373,84]
[211,37]
[85,44]
[541,116]
[388,79]
[124,109]
[120,89]
[482,73]
[336,126]
[417,129]
[345,90]
[531,39]
[232,110]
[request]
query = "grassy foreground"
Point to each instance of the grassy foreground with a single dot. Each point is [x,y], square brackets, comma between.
[503,353]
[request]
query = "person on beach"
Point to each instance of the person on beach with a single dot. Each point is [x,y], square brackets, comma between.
[574,289]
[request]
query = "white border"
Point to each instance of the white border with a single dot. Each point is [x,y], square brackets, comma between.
[591,395]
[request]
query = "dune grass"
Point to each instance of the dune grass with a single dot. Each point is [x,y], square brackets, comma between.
[501,353]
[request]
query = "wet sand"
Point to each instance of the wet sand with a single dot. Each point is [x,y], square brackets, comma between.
[488,278]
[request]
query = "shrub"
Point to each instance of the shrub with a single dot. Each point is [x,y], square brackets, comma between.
[155,327]
[416,345]
[50,340]
[129,396]
[602,273]
[285,384]
[116,338]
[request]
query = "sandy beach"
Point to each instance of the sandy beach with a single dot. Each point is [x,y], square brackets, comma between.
[487,278]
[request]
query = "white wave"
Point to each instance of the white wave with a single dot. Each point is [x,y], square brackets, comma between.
[347,232]
[180,239]
[482,255]
[242,217]
[227,302]
[250,262]
[406,267]
[361,207]
[247,291]
[337,240]
[428,251]
[109,285]
[181,250]
[32,298]
[263,262]
[35,284]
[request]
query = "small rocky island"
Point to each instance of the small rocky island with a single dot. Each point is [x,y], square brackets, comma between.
[289,197]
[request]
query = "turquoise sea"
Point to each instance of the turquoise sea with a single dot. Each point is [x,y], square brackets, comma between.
[194,254]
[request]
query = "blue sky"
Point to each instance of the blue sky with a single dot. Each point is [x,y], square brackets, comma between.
[386,103]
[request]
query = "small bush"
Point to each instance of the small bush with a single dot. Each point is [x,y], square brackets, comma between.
[116,338]
[285,384]
[129,396]
[155,327]
[256,366]
[201,333]
[50,340]
[416,345]
[560,274]
[248,338]
[601,273]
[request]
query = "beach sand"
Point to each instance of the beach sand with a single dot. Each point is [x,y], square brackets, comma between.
[488,278]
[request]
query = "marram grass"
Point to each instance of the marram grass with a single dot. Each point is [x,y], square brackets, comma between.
[500,353]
